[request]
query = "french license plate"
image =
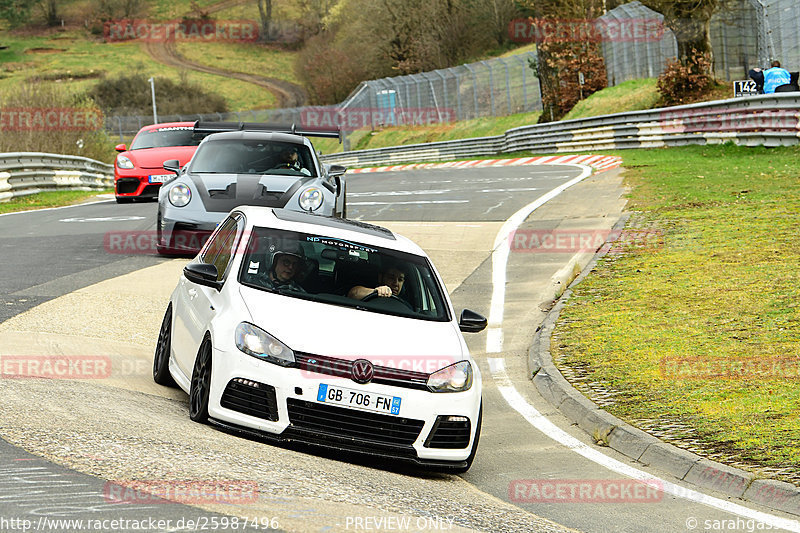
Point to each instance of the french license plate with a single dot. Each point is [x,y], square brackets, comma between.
[369,401]
[158,178]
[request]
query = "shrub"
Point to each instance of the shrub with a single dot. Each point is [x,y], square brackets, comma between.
[45,117]
[130,95]
[685,81]
[562,64]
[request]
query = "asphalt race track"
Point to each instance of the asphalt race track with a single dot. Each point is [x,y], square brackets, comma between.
[66,290]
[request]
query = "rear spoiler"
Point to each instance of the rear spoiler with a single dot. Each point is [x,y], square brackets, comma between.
[217,127]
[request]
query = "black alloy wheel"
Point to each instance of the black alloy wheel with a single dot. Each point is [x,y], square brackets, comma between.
[201,383]
[161,373]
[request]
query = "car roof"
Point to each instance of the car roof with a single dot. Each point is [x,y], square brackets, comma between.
[258,136]
[340,228]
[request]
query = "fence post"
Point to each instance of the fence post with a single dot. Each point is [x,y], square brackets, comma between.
[508,84]
[444,91]
[491,85]
[474,88]
[459,114]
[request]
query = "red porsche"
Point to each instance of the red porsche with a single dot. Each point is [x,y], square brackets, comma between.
[138,169]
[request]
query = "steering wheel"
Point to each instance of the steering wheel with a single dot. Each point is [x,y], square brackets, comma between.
[374,294]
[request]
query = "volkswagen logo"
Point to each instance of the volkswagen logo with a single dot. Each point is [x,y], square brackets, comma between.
[362,371]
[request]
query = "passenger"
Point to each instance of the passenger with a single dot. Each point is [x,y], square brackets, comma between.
[775,76]
[286,265]
[390,283]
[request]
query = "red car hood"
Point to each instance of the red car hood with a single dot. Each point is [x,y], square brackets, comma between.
[153,158]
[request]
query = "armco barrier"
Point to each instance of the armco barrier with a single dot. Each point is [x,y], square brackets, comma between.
[26,173]
[769,120]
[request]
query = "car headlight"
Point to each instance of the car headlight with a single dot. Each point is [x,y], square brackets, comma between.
[310,199]
[261,345]
[124,162]
[179,195]
[454,378]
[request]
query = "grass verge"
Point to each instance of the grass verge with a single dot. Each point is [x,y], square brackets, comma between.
[633,95]
[46,199]
[397,136]
[695,334]
[71,58]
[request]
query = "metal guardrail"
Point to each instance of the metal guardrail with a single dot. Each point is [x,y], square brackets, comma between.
[24,173]
[769,120]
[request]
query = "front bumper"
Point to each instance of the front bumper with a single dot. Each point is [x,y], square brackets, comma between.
[281,404]
[185,233]
[134,183]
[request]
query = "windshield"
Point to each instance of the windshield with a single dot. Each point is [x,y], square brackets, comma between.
[253,157]
[169,136]
[334,271]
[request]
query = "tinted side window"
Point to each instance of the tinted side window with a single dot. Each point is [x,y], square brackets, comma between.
[223,244]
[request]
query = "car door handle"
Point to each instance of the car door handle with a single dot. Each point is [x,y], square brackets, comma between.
[192,294]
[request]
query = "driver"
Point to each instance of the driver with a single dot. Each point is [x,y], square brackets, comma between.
[290,159]
[390,283]
[285,266]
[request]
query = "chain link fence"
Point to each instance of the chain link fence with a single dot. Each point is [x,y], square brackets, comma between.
[778,30]
[745,34]
[495,87]
[643,45]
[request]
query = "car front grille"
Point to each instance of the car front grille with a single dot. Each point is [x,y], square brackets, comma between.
[151,191]
[353,426]
[333,366]
[451,434]
[251,398]
[127,185]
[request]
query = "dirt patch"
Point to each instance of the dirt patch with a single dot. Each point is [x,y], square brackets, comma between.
[287,94]
[43,50]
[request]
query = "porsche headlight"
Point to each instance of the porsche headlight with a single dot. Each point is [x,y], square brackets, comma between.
[124,162]
[261,345]
[310,199]
[454,378]
[179,195]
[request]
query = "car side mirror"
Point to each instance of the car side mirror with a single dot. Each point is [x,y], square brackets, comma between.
[173,165]
[471,322]
[120,148]
[202,274]
[336,171]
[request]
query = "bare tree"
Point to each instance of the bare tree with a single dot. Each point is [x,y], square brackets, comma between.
[690,21]
[313,14]
[499,13]
[49,9]
[265,12]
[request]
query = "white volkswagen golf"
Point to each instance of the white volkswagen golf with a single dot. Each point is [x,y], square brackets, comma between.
[327,331]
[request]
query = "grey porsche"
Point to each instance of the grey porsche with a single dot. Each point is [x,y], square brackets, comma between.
[244,164]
